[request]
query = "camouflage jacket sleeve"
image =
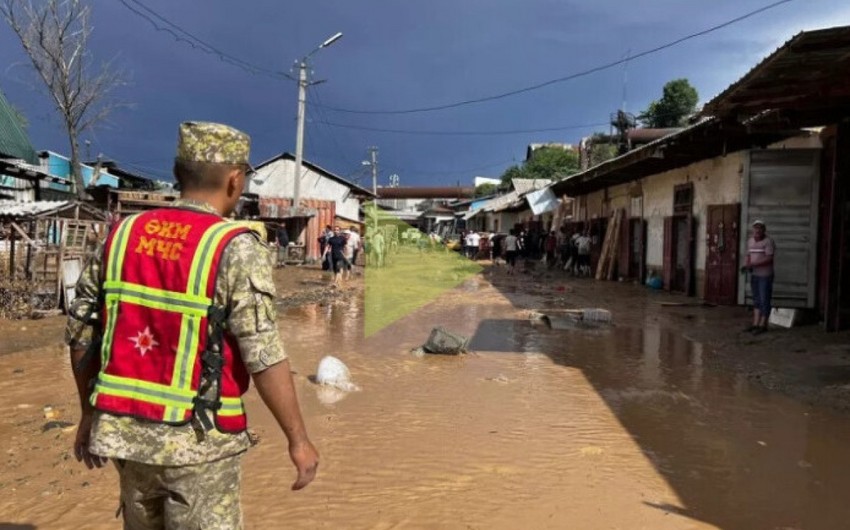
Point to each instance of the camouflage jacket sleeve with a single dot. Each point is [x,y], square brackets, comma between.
[84,310]
[246,288]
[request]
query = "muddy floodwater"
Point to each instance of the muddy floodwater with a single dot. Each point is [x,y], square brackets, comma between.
[620,428]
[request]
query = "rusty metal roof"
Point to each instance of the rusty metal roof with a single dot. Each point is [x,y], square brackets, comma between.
[808,76]
[708,138]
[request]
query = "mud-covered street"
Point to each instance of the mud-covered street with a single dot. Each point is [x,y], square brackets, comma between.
[669,419]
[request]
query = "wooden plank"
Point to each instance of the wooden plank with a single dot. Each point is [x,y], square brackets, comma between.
[24,235]
[600,267]
[12,255]
[615,249]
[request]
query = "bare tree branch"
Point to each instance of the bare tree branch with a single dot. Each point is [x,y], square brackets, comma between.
[55,34]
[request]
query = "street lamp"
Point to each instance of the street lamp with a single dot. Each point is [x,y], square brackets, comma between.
[302,105]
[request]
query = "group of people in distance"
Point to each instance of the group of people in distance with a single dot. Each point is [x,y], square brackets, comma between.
[572,252]
[339,249]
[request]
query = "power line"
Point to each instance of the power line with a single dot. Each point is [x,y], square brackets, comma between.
[464,133]
[323,120]
[182,35]
[569,77]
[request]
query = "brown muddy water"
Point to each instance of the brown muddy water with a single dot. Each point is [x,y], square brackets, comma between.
[616,428]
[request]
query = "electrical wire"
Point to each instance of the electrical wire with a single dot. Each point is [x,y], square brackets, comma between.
[572,76]
[322,119]
[182,35]
[464,133]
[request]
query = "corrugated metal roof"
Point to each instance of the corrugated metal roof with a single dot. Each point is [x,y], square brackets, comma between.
[705,139]
[25,209]
[525,185]
[14,142]
[358,190]
[810,72]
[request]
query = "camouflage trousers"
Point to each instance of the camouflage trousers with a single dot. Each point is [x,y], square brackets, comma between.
[185,497]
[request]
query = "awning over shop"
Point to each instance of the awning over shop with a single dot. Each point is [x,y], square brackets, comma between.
[806,80]
[706,139]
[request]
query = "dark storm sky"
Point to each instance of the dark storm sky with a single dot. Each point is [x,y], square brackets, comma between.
[400,55]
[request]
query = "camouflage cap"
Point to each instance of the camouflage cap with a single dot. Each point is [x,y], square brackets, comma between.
[212,142]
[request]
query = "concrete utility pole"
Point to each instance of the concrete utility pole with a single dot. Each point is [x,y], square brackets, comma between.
[373,151]
[302,108]
[299,132]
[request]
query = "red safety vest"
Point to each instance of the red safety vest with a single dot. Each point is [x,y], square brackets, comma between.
[161,329]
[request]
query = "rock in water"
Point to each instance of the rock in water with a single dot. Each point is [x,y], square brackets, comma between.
[333,372]
[445,342]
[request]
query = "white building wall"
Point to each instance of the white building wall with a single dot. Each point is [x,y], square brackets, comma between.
[277,180]
[715,181]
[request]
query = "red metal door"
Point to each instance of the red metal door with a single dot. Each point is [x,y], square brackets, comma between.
[685,254]
[721,269]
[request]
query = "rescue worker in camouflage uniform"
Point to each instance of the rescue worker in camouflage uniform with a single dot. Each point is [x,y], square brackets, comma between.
[177,436]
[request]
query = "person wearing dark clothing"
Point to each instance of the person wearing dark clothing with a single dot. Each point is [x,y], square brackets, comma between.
[327,233]
[335,251]
[550,245]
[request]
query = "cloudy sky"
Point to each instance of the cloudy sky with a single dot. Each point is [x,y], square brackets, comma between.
[398,55]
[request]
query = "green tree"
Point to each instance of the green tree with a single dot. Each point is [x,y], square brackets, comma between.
[513,172]
[551,163]
[602,149]
[486,189]
[56,36]
[677,103]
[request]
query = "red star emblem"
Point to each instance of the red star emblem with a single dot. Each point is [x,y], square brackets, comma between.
[144,341]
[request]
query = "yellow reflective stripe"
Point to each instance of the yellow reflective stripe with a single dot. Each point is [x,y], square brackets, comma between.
[207,258]
[118,248]
[205,249]
[142,391]
[159,298]
[173,413]
[178,395]
[179,363]
[162,305]
[187,352]
[231,407]
[114,264]
[109,331]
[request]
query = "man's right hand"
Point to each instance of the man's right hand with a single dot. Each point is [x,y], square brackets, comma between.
[81,443]
[306,460]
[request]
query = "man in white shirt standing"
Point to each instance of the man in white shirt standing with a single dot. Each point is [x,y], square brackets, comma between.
[511,249]
[352,247]
[474,242]
[583,244]
[761,251]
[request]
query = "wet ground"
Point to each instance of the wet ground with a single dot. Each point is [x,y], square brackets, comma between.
[633,426]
